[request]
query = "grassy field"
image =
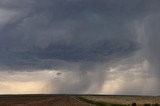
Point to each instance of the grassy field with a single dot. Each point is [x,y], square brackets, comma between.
[76,100]
[124,100]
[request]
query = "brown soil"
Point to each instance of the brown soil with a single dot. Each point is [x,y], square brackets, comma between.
[42,101]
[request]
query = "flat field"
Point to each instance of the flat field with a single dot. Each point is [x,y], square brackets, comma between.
[139,100]
[35,100]
[73,100]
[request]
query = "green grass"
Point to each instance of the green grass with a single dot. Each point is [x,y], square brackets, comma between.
[99,103]
[156,104]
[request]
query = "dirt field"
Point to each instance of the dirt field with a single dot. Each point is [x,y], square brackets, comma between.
[42,101]
[140,100]
[70,100]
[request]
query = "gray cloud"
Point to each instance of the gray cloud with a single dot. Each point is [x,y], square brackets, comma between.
[72,35]
[150,34]
[75,32]
[77,83]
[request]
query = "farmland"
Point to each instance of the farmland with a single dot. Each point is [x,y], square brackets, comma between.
[74,100]
[125,100]
[48,100]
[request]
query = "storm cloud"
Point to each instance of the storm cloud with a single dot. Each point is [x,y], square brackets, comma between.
[81,37]
[71,31]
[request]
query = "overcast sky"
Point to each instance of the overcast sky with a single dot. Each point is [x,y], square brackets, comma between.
[80,46]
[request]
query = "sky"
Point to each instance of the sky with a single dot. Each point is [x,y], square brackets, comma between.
[80,47]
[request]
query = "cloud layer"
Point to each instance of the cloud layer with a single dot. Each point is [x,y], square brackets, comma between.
[81,37]
[71,31]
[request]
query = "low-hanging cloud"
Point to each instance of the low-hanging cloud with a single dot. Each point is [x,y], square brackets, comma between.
[43,34]
[148,31]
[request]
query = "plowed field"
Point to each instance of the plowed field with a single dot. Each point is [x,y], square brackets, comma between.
[42,101]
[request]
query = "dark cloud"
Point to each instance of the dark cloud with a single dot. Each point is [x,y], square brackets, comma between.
[75,35]
[151,26]
[71,31]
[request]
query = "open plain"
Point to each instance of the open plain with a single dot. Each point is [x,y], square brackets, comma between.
[73,100]
[41,101]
